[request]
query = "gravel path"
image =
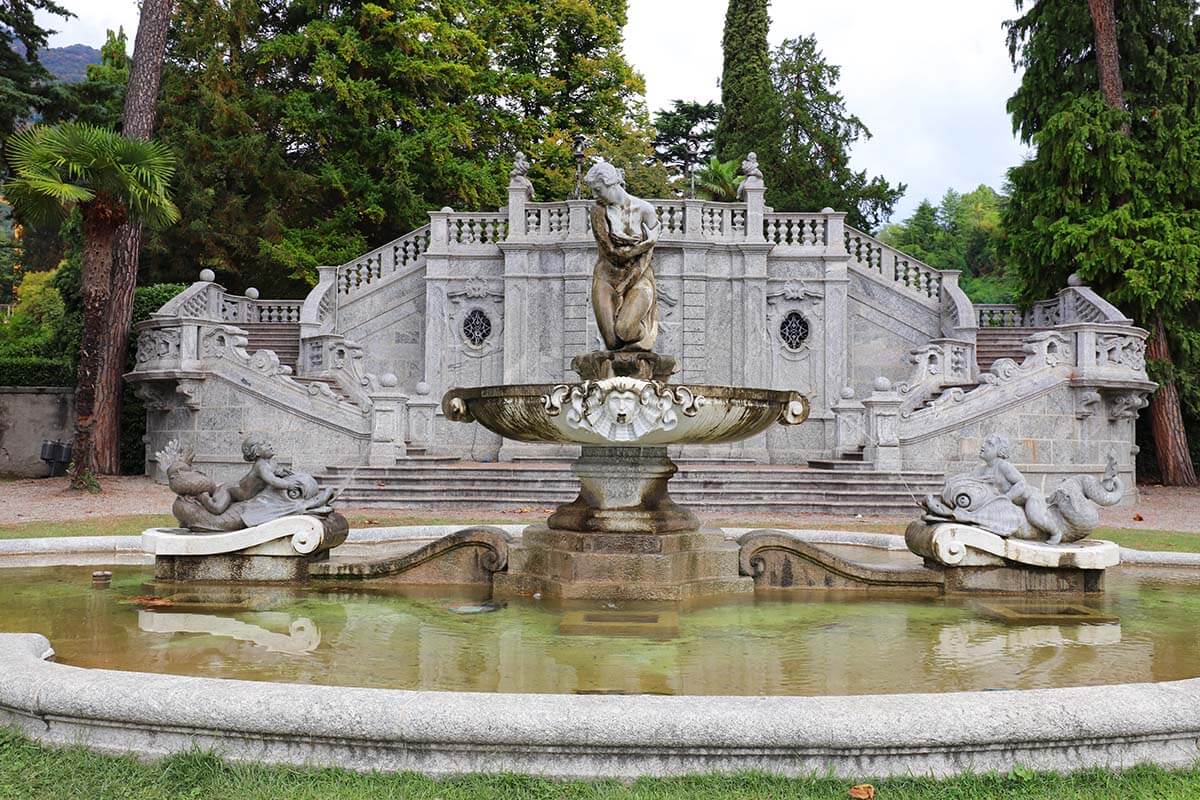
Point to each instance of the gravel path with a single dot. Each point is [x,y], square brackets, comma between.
[51,499]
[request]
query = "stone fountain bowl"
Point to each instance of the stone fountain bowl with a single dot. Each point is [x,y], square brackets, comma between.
[625,411]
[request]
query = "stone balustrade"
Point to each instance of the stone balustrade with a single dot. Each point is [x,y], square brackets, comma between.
[890,264]
[1076,303]
[398,255]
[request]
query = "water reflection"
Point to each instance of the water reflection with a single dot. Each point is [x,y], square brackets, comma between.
[303,635]
[799,645]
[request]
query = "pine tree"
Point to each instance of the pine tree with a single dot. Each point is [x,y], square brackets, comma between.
[1110,192]
[750,119]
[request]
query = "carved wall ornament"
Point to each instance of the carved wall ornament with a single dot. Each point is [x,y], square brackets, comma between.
[1085,403]
[475,313]
[158,344]
[1123,351]
[1127,405]
[622,409]
[794,314]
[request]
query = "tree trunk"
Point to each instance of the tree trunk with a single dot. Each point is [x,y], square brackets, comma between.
[100,223]
[1108,61]
[141,101]
[1166,420]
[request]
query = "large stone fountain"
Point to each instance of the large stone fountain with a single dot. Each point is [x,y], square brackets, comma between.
[623,537]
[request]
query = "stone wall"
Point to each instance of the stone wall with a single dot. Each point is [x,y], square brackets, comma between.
[29,414]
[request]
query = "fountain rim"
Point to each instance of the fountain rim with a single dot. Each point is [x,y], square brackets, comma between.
[591,736]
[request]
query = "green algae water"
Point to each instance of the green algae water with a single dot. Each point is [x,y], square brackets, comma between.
[1144,628]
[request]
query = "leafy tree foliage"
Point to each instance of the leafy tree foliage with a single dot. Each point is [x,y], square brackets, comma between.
[685,135]
[20,73]
[309,132]
[1111,191]
[750,116]
[963,233]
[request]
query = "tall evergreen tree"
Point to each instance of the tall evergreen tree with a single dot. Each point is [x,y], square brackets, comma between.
[750,117]
[1110,192]
[684,135]
[810,167]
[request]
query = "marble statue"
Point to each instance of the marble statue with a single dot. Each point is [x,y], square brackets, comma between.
[265,493]
[624,296]
[996,497]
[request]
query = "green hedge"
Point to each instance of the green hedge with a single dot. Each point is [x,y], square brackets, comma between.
[35,371]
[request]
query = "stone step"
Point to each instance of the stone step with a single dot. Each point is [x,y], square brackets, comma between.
[509,469]
[569,484]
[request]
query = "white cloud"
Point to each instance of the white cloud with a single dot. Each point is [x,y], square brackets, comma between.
[91,21]
[929,78]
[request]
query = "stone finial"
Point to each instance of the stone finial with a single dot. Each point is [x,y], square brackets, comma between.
[750,166]
[881,384]
[847,392]
[207,275]
[520,167]
[252,293]
[1074,280]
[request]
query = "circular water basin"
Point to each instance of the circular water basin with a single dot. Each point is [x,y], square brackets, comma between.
[1142,629]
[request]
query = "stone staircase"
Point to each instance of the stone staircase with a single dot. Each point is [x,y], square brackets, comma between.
[996,343]
[735,488]
[281,337]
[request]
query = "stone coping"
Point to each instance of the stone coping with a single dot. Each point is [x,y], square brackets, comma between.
[127,550]
[587,736]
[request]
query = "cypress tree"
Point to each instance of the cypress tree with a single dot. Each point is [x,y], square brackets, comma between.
[751,118]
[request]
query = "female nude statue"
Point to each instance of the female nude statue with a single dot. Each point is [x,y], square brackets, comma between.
[623,291]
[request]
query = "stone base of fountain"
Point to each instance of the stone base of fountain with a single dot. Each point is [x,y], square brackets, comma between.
[623,538]
[622,566]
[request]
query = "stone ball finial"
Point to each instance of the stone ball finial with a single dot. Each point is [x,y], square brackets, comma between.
[881,384]
[252,293]
[847,392]
[208,275]
[1074,280]
[422,387]
[827,210]
[447,210]
[388,380]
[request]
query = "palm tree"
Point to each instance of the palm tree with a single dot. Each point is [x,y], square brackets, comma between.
[109,178]
[718,180]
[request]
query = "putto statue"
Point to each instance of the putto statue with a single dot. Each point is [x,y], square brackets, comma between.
[996,498]
[624,296]
[267,492]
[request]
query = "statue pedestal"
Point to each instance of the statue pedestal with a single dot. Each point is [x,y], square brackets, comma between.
[276,551]
[623,538]
[974,560]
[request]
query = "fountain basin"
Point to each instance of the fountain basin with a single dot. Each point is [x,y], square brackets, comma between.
[625,411]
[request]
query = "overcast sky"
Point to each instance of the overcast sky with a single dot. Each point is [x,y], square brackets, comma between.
[928,77]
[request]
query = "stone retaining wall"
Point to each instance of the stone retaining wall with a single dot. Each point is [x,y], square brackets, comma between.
[29,414]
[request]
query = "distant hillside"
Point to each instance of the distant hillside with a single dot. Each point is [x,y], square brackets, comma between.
[69,64]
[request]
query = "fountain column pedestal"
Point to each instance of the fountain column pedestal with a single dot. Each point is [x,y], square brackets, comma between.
[623,538]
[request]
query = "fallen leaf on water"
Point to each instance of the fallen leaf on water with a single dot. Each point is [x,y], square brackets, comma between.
[864,791]
[1138,518]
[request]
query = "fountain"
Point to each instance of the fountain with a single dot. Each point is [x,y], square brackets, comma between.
[623,537]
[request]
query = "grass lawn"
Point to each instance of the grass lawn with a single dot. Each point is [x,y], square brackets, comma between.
[1173,541]
[28,770]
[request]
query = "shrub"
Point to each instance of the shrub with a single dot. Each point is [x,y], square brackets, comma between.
[35,371]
